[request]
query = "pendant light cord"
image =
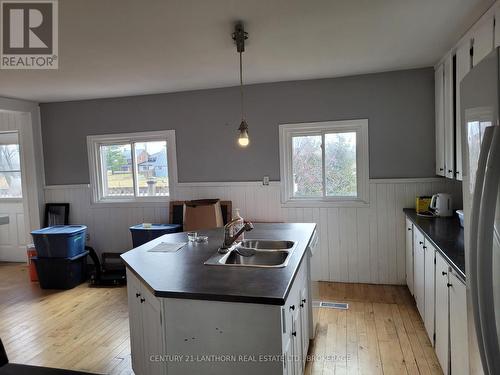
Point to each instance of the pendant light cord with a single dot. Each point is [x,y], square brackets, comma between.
[241,87]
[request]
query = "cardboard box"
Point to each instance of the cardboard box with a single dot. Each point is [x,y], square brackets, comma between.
[202,214]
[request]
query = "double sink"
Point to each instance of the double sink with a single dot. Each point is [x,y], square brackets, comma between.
[255,253]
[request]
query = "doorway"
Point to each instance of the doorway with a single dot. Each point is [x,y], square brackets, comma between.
[12,217]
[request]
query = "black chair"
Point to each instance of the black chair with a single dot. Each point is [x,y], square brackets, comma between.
[56,214]
[7,368]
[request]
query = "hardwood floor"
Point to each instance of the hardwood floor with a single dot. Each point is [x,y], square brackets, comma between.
[87,329]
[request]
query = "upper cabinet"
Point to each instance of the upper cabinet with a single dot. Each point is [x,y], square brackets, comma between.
[439,97]
[463,65]
[449,72]
[449,119]
[482,39]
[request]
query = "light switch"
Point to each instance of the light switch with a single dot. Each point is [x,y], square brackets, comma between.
[265,181]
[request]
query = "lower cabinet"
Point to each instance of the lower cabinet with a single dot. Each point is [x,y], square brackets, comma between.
[146,327]
[419,270]
[458,326]
[409,255]
[429,292]
[162,330]
[442,343]
[440,296]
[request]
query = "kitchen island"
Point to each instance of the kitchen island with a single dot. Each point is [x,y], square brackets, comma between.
[189,317]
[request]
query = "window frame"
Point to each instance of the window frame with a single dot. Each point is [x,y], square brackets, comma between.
[20,170]
[287,131]
[94,142]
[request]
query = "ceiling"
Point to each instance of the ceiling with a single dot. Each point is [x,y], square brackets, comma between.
[129,47]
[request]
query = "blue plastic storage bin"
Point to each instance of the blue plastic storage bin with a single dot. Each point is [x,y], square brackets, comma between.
[60,241]
[61,273]
[141,234]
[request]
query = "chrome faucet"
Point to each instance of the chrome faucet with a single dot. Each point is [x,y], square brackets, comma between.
[228,239]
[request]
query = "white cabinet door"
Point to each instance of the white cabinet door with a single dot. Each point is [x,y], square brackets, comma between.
[429,293]
[497,27]
[419,270]
[304,322]
[449,119]
[463,65]
[152,325]
[288,364]
[482,40]
[135,322]
[439,98]
[458,327]
[442,346]
[409,255]
[297,340]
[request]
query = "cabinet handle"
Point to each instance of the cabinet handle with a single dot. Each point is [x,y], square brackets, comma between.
[409,229]
[142,300]
[448,285]
[137,295]
[304,300]
[292,307]
[441,169]
[450,171]
[457,172]
[294,333]
[425,247]
[420,242]
[301,305]
[444,273]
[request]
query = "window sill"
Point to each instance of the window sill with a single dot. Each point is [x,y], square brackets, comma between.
[306,203]
[138,202]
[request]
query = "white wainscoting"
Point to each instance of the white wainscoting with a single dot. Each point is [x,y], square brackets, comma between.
[363,245]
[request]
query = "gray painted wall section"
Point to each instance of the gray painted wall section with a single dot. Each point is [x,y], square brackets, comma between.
[399,106]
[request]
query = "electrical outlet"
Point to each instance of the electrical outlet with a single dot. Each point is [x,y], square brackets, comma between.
[265,181]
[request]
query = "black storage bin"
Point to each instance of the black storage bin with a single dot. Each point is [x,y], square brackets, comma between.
[61,273]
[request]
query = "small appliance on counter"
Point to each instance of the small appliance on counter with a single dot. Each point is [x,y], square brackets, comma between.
[422,206]
[441,205]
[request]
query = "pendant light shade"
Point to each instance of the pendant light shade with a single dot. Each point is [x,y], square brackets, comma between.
[239,37]
[243,139]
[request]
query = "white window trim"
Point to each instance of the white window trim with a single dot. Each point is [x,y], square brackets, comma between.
[286,131]
[93,143]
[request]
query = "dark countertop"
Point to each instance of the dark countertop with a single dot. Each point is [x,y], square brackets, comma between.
[183,274]
[446,235]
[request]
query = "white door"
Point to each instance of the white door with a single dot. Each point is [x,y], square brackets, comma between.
[297,340]
[304,323]
[463,65]
[13,236]
[442,314]
[418,270]
[409,255]
[439,98]
[429,293]
[482,40]
[458,327]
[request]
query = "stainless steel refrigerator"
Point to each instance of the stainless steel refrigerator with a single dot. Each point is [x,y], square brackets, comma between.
[479,102]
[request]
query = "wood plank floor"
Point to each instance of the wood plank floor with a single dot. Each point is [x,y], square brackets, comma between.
[87,329]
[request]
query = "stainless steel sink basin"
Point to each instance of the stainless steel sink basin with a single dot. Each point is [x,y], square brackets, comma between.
[267,244]
[261,253]
[260,258]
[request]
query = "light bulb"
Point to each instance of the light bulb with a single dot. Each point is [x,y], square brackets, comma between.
[243,139]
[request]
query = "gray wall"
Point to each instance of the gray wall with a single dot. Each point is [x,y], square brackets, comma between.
[399,106]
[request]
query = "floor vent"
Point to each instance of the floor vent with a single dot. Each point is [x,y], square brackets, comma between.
[333,305]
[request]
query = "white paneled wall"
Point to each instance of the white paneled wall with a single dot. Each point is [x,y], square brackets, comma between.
[357,244]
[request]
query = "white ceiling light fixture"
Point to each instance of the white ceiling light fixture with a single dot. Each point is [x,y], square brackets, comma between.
[239,36]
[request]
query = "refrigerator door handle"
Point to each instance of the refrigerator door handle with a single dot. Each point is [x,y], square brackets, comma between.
[485,255]
[472,277]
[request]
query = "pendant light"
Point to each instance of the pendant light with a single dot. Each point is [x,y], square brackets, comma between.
[239,37]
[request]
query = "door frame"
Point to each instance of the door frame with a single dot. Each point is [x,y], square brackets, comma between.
[31,154]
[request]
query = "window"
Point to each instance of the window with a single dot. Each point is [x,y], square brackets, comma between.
[132,167]
[10,166]
[324,162]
